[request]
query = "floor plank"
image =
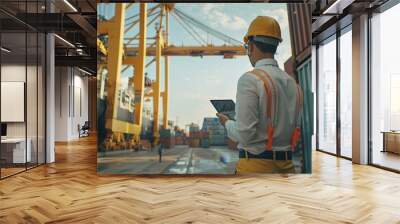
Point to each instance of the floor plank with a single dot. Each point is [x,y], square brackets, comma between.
[70,191]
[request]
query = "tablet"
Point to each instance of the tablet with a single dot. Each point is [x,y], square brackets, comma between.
[226,107]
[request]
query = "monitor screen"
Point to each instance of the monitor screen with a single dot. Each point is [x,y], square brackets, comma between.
[3,129]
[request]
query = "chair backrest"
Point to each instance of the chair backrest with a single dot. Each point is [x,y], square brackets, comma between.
[86,125]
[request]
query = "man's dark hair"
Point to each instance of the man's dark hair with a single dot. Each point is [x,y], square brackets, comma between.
[264,47]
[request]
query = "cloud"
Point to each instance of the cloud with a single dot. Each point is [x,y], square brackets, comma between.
[207,7]
[279,14]
[219,19]
[237,23]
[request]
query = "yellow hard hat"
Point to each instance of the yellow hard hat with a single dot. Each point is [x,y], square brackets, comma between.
[264,26]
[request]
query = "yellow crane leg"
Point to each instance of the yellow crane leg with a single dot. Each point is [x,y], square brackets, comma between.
[156,89]
[115,30]
[165,94]
[103,27]
[168,7]
[139,68]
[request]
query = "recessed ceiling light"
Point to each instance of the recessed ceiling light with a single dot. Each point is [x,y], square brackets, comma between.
[70,5]
[5,50]
[337,7]
[84,71]
[65,41]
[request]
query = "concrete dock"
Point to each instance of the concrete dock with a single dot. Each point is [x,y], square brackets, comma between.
[181,159]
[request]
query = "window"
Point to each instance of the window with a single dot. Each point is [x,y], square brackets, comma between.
[394,102]
[385,89]
[346,93]
[327,96]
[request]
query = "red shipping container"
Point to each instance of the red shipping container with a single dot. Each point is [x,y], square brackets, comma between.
[168,142]
[179,140]
[194,142]
[145,144]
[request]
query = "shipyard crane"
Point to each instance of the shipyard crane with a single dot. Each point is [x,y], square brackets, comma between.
[117,50]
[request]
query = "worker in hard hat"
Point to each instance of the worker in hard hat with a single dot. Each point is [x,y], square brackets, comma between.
[268,106]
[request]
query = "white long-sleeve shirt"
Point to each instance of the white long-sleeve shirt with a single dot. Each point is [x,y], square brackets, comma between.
[250,126]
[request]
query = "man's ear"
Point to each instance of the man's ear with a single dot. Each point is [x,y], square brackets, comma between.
[253,48]
[250,46]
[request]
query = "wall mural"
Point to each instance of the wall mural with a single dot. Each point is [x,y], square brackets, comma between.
[160,65]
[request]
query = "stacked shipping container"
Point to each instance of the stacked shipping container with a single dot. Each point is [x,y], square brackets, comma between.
[216,132]
[180,136]
[167,138]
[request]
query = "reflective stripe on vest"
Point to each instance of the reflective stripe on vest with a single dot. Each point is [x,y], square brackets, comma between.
[296,135]
[270,90]
[271,93]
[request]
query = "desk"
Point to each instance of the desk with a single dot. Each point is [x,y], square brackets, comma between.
[391,141]
[13,150]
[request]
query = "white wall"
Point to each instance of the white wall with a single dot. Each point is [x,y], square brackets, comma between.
[61,103]
[71,102]
[81,94]
[11,73]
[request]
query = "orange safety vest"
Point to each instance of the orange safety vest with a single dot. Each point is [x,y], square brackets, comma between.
[270,90]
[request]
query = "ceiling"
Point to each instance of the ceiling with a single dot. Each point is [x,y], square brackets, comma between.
[332,15]
[72,20]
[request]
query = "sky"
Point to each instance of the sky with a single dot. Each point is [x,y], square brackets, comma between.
[194,81]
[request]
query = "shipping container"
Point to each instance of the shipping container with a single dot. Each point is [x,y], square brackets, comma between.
[145,144]
[217,140]
[168,142]
[205,142]
[195,134]
[193,127]
[216,132]
[304,74]
[166,133]
[179,133]
[194,142]
[212,123]
[179,140]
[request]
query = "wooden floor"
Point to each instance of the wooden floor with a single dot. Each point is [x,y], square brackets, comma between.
[5,172]
[70,191]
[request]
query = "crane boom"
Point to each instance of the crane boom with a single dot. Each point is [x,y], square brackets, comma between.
[171,50]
